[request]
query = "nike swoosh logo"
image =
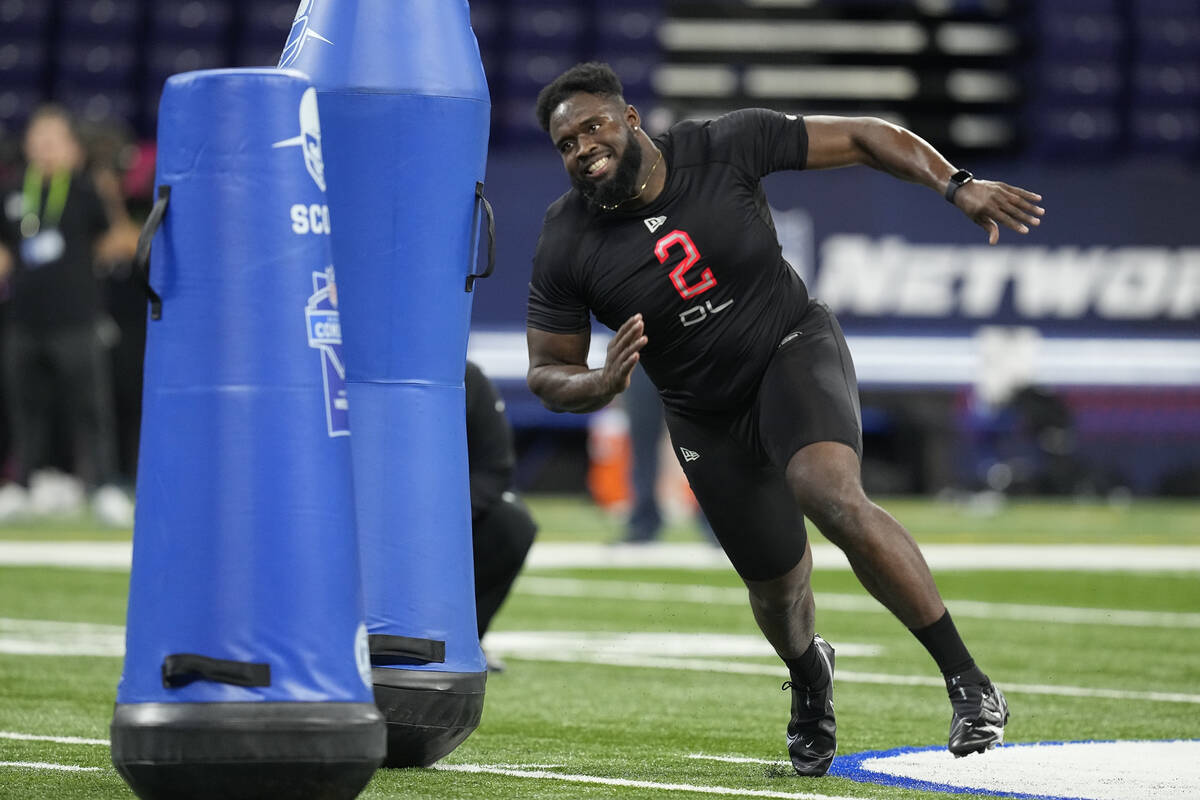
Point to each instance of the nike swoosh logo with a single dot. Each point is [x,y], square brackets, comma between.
[791,740]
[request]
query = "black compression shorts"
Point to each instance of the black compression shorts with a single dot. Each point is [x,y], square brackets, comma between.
[736,464]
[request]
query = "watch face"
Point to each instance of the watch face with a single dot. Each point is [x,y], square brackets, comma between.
[957,180]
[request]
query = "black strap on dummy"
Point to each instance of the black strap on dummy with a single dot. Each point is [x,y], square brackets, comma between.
[180,669]
[405,649]
[491,232]
[141,259]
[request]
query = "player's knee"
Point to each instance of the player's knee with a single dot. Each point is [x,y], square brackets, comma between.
[840,516]
[782,596]
[777,601]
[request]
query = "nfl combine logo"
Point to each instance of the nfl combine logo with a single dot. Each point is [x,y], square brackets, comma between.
[325,336]
[689,455]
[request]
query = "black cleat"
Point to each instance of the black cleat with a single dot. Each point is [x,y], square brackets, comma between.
[980,714]
[812,732]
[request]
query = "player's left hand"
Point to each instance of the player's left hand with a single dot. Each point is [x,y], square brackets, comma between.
[993,203]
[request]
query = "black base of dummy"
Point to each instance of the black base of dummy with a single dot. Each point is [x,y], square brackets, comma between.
[247,751]
[427,713]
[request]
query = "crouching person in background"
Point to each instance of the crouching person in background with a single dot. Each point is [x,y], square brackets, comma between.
[502,529]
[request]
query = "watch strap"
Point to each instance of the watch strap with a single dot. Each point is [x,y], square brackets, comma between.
[957,181]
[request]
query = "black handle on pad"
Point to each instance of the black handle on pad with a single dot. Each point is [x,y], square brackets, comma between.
[491,232]
[388,649]
[141,258]
[180,669]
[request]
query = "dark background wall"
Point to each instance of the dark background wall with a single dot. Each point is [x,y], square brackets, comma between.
[1093,103]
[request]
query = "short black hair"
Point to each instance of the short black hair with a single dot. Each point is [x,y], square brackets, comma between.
[593,77]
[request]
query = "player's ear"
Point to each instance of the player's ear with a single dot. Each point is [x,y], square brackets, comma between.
[632,117]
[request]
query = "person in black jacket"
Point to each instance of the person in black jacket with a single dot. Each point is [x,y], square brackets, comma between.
[55,357]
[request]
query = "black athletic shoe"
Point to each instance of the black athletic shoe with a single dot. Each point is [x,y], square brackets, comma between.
[980,714]
[812,732]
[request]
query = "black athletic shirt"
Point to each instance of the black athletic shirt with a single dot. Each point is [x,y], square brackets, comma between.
[702,263]
[63,293]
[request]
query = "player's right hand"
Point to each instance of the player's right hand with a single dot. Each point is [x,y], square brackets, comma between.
[993,203]
[623,354]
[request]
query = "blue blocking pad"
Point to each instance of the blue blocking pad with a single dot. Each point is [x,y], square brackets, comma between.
[404,114]
[246,648]
[428,607]
[405,243]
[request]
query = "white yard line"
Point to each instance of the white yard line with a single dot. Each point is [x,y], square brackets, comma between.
[632,784]
[92,555]
[1091,557]
[849,676]
[739,760]
[736,596]
[39,637]
[44,765]
[659,644]
[1027,688]
[33,737]
[567,555]
[105,640]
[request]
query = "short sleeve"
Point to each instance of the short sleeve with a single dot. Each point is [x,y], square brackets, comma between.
[760,141]
[555,304]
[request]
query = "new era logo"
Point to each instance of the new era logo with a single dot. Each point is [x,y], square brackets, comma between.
[689,455]
[654,223]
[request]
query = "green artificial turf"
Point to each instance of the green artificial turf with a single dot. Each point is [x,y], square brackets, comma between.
[611,720]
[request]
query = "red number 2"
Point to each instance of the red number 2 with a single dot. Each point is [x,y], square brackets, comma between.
[691,256]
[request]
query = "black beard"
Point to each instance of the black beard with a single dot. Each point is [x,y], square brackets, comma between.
[621,186]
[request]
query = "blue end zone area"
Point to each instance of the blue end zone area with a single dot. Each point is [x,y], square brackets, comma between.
[855,767]
[851,767]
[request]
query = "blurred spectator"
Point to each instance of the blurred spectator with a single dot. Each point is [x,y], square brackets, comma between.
[54,227]
[108,149]
[113,157]
[645,430]
[646,424]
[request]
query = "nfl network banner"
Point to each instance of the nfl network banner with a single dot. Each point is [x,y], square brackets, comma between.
[888,279]
[1105,292]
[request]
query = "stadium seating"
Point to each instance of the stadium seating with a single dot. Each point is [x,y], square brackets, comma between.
[100,20]
[1165,81]
[190,21]
[25,18]
[263,30]
[1069,79]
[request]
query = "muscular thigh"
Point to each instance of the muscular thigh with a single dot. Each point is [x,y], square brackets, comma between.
[809,392]
[744,497]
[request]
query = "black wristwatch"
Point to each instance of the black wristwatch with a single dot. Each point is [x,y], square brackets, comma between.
[957,181]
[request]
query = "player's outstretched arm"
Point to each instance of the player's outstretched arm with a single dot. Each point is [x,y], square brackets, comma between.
[559,374]
[845,141]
